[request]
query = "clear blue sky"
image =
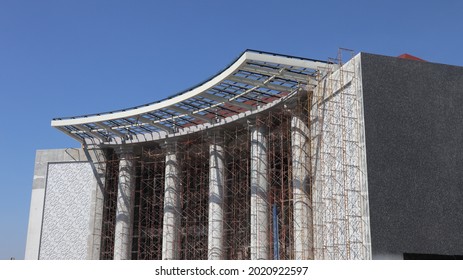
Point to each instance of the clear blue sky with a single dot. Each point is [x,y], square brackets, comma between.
[64,58]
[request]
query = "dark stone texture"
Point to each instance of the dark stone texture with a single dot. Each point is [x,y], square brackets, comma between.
[414,140]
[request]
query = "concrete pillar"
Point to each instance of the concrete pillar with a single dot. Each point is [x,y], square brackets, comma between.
[302,223]
[171,243]
[216,198]
[124,208]
[259,195]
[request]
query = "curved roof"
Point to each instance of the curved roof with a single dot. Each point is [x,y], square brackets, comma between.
[254,81]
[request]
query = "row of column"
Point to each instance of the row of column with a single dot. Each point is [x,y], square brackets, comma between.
[260,235]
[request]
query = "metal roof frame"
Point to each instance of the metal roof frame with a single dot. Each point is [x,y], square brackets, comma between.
[251,82]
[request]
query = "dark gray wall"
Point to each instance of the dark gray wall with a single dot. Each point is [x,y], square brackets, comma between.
[414,139]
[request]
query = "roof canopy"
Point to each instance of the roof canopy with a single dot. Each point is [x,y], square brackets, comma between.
[254,81]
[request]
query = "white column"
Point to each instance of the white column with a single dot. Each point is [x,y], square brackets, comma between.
[259,195]
[216,198]
[124,210]
[171,223]
[302,223]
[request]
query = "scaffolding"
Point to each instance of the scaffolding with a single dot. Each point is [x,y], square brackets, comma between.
[341,219]
[278,126]
[193,158]
[148,205]
[330,163]
[237,195]
[109,206]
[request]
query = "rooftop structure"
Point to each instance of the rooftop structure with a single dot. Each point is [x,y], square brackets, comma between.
[276,157]
[255,81]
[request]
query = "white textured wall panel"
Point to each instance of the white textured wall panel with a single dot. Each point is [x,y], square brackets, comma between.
[66,218]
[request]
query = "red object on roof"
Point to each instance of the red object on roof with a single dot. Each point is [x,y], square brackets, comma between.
[411,57]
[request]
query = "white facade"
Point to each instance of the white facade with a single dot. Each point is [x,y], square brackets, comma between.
[65,214]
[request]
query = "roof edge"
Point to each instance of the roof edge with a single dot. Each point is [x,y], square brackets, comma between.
[190,92]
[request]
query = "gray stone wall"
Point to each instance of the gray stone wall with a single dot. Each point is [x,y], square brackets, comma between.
[414,139]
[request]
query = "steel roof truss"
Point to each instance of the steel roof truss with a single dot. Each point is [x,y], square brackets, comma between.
[69,133]
[253,92]
[224,100]
[90,132]
[110,130]
[287,72]
[284,73]
[189,113]
[265,84]
[149,122]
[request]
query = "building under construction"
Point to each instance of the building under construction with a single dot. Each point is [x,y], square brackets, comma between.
[276,157]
